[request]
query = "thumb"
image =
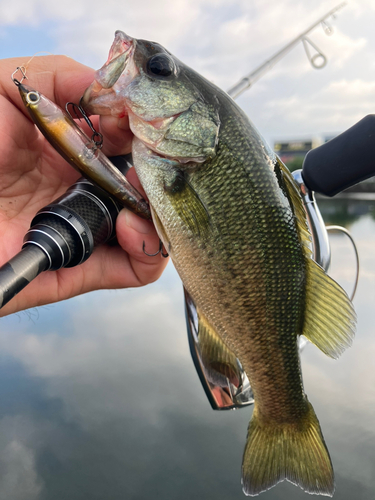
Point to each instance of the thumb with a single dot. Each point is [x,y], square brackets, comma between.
[138,236]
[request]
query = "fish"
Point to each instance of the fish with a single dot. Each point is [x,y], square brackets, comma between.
[79,150]
[229,214]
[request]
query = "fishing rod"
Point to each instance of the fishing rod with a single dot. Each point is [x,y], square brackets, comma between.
[318,60]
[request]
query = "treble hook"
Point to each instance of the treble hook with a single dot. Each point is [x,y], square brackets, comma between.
[97,137]
[165,255]
[22,69]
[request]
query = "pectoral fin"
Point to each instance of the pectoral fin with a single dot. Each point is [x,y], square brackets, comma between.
[188,205]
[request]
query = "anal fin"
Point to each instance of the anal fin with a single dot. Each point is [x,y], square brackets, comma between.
[222,376]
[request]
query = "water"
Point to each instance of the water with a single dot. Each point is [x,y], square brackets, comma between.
[100,399]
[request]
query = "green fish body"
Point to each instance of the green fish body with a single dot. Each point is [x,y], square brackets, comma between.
[229,214]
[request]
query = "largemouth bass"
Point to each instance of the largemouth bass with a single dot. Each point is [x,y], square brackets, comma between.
[229,214]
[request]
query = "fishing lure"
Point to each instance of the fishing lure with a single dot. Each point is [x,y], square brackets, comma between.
[83,153]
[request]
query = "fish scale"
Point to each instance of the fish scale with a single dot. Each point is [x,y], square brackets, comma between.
[265,246]
[233,222]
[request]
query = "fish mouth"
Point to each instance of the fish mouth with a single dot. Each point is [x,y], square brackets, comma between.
[106,77]
[107,95]
[118,56]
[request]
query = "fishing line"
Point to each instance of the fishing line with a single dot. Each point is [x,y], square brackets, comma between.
[36,54]
[24,67]
[344,231]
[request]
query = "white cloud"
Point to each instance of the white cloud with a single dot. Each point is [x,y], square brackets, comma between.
[357,94]
[110,334]
[37,11]
[18,477]
[359,7]
[344,47]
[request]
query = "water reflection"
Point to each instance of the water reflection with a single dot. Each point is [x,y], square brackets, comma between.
[347,209]
[100,399]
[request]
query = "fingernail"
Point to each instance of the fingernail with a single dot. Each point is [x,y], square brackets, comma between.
[131,220]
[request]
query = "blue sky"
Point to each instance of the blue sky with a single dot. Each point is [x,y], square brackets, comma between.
[12,40]
[224,40]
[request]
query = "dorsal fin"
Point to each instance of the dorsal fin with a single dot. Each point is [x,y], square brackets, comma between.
[330,318]
[290,189]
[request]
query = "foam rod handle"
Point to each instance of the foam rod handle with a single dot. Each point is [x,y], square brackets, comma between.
[343,161]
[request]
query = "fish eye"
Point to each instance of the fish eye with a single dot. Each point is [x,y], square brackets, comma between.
[32,97]
[161,65]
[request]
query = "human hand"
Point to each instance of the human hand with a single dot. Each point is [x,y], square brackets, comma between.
[32,174]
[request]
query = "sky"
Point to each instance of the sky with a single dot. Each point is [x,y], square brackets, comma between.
[224,40]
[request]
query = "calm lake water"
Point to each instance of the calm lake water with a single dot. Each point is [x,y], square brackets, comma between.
[100,399]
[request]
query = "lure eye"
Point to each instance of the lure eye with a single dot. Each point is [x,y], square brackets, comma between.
[32,97]
[161,65]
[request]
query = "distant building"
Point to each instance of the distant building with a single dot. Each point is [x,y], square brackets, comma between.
[290,151]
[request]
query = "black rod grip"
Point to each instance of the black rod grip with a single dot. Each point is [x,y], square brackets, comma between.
[343,161]
[20,270]
[64,233]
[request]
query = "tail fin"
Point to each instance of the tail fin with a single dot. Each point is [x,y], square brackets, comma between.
[292,451]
